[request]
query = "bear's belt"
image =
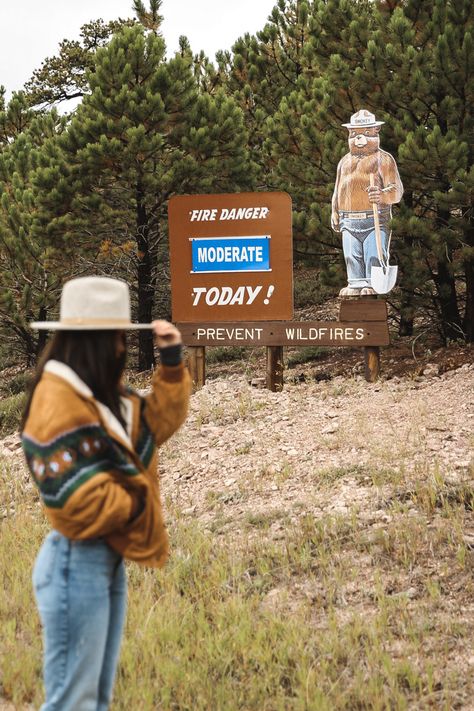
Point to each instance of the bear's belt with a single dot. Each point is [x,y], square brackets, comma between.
[362,215]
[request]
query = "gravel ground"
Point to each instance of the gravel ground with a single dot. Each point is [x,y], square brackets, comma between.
[317,447]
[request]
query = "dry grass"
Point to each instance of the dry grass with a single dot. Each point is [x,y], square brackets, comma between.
[289,605]
[337,614]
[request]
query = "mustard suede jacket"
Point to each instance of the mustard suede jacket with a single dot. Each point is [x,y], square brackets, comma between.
[90,470]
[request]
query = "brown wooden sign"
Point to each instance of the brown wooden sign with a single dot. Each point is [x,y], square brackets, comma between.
[362,322]
[289,333]
[231,257]
[368,309]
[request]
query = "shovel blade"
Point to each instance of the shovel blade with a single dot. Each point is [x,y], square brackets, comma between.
[382,279]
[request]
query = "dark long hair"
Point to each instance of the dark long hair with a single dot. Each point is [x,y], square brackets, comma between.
[93,356]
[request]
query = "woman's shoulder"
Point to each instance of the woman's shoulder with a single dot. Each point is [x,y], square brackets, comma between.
[57,407]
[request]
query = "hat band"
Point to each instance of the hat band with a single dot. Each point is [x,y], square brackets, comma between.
[79,321]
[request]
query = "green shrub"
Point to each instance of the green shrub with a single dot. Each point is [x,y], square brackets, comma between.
[224,354]
[304,355]
[11,410]
[16,384]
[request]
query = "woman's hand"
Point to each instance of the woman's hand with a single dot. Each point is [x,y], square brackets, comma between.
[166,334]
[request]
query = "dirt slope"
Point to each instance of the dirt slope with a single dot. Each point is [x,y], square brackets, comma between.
[316,446]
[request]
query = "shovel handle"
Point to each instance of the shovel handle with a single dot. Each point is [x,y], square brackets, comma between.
[378,238]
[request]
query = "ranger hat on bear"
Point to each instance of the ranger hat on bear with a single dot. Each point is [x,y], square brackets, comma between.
[363,119]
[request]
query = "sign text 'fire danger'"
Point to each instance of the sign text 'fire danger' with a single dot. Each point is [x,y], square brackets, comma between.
[226,213]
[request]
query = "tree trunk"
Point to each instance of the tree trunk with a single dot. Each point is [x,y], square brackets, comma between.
[468,322]
[446,288]
[407,314]
[29,347]
[448,304]
[407,303]
[146,357]
[42,335]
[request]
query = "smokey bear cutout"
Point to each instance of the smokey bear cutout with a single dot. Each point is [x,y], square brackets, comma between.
[367,185]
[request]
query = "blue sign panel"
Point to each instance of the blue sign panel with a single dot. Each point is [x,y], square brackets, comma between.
[231,254]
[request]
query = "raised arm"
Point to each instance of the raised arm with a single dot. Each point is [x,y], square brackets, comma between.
[166,406]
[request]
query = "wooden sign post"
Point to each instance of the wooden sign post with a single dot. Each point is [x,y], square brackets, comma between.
[275,368]
[362,323]
[197,365]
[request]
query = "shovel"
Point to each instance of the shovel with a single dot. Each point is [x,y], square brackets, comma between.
[383,278]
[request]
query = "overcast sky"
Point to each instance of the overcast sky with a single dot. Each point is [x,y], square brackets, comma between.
[30,30]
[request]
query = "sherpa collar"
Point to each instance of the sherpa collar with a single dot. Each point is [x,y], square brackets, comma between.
[63,371]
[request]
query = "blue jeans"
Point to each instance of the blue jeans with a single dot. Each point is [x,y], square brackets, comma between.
[81,592]
[360,249]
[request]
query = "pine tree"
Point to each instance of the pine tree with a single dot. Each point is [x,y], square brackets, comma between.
[64,76]
[143,134]
[150,19]
[264,68]
[27,286]
[410,63]
[420,61]
[305,139]
[14,118]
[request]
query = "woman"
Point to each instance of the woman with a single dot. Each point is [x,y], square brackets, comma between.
[90,445]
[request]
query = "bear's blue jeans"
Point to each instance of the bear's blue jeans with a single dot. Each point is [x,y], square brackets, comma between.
[360,249]
[81,592]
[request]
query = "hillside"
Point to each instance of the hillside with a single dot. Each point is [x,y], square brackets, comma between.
[359,499]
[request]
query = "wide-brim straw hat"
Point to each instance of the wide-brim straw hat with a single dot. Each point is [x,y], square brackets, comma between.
[363,119]
[93,304]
